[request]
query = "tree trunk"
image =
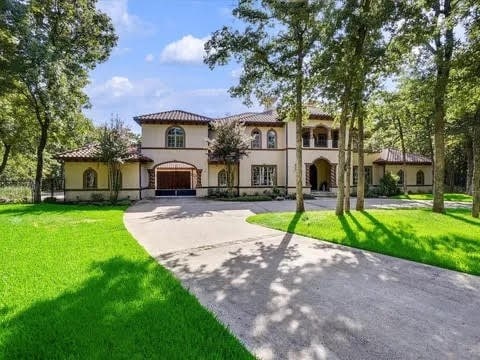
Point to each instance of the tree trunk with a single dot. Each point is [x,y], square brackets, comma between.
[348,173]
[443,58]
[404,156]
[299,126]
[476,166]
[6,153]
[42,144]
[469,156]
[341,153]
[361,165]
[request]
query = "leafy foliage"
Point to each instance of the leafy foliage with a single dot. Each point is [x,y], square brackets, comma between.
[388,185]
[229,145]
[114,147]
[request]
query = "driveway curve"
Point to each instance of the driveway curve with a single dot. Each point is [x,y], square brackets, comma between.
[291,297]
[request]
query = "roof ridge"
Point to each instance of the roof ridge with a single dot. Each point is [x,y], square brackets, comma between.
[171,111]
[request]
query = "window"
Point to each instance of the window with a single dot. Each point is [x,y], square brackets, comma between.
[90,179]
[264,175]
[321,140]
[222,178]
[175,137]
[335,139]
[271,139]
[420,177]
[400,177]
[368,175]
[306,138]
[256,139]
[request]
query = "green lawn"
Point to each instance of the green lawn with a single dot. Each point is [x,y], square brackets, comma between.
[450,240]
[448,197]
[75,284]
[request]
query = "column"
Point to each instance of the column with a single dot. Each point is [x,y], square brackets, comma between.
[307,174]
[312,139]
[329,138]
[333,175]
[151,178]
[199,178]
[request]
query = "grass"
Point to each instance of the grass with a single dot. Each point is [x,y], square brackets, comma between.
[75,284]
[450,240]
[448,197]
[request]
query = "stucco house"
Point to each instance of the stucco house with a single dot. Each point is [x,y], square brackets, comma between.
[173,159]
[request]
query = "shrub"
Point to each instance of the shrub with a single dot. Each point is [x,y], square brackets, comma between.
[388,185]
[15,194]
[96,197]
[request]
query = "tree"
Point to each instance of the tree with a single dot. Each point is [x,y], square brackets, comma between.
[275,47]
[114,147]
[58,42]
[356,39]
[229,145]
[16,127]
[464,93]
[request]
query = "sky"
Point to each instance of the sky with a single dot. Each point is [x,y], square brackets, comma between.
[157,64]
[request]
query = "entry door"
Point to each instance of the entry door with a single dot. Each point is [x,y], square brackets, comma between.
[174,180]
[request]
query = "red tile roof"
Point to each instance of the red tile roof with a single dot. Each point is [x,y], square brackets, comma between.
[268,118]
[173,115]
[392,156]
[90,153]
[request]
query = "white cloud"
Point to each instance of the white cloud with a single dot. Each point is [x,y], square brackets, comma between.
[149,58]
[118,86]
[122,19]
[235,73]
[118,51]
[189,50]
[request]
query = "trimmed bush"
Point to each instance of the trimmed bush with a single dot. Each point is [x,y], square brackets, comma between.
[389,185]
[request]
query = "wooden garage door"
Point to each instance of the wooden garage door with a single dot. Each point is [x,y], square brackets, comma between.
[174,179]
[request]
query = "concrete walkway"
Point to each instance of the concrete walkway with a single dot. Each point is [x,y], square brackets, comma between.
[290,297]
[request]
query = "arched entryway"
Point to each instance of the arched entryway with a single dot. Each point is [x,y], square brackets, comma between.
[320,175]
[176,178]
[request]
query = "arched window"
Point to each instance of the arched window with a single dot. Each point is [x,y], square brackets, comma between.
[256,139]
[175,137]
[271,139]
[222,178]
[90,179]
[400,177]
[420,177]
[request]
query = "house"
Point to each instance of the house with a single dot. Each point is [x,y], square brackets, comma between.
[173,159]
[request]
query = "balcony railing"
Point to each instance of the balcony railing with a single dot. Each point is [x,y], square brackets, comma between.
[319,143]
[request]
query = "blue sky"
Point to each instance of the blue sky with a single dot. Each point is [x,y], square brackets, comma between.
[157,64]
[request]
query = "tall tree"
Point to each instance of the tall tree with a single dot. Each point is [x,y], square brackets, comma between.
[58,42]
[229,145]
[356,37]
[275,47]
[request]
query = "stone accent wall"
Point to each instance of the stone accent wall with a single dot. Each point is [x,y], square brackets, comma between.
[307,174]
[333,175]
[151,178]
[199,178]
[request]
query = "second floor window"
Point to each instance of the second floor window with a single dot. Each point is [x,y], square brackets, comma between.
[271,139]
[175,137]
[256,139]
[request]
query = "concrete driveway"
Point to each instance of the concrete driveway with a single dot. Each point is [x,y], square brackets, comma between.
[291,297]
